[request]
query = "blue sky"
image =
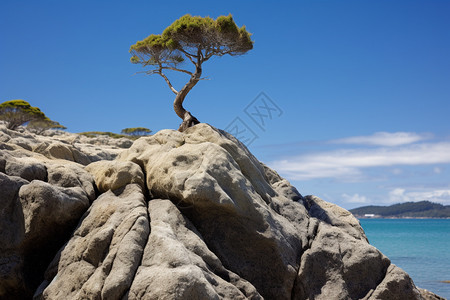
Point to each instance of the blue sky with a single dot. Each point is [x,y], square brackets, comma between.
[359,90]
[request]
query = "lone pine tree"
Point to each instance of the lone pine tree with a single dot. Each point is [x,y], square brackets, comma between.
[193,39]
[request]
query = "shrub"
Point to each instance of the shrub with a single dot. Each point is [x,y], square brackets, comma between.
[136,131]
[19,112]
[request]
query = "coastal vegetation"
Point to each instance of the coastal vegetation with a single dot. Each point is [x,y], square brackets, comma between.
[130,133]
[19,112]
[38,126]
[422,209]
[93,134]
[195,39]
[136,131]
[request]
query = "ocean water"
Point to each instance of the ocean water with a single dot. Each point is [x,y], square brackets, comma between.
[421,247]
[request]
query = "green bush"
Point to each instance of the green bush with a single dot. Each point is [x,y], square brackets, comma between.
[41,125]
[136,131]
[93,134]
[19,112]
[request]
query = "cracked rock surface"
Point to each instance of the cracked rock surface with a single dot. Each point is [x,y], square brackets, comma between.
[190,215]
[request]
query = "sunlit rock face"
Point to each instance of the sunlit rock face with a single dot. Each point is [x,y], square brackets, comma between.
[190,215]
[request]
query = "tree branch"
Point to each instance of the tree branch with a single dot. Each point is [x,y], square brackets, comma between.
[188,55]
[167,80]
[176,69]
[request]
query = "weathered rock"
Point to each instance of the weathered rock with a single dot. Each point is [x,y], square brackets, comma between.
[25,143]
[253,220]
[189,215]
[103,140]
[338,266]
[100,260]
[63,145]
[41,201]
[334,215]
[112,175]
[26,168]
[58,150]
[11,234]
[96,152]
[69,175]
[395,285]
[229,196]
[35,217]
[427,295]
[177,263]
[49,209]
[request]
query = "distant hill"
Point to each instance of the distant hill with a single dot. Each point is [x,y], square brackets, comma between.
[422,209]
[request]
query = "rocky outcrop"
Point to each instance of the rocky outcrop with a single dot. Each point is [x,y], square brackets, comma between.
[43,194]
[41,202]
[189,215]
[63,145]
[101,258]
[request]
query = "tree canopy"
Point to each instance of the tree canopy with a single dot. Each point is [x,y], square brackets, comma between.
[194,39]
[136,131]
[19,112]
[40,125]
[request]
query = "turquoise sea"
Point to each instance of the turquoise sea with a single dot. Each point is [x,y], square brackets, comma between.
[421,247]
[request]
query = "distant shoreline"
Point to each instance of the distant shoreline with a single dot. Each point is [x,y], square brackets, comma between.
[398,218]
[407,210]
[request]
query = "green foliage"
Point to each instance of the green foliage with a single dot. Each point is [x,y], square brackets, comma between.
[422,209]
[40,125]
[190,35]
[156,49]
[93,134]
[136,131]
[18,112]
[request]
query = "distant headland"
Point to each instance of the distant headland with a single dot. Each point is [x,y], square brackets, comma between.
[422,209]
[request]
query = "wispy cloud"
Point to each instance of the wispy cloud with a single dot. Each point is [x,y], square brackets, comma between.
[398,195]
[354,199]
[386,139]
[413,166]
[349,163]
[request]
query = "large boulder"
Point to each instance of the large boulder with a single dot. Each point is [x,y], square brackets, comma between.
[177,263]
[397,285]
[12,231]
[222,225]
[224,192]
[113,175]
[41,202]
[190,215]
[100,260]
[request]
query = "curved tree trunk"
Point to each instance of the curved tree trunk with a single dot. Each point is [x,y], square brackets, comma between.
[188,119]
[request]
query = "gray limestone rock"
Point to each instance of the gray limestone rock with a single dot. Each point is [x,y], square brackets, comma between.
[190,215]
[41,201]
[101,258]
[395,285]
[177,263]
[11,235]
[112,175]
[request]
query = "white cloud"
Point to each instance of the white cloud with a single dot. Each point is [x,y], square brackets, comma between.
[355,198]
[385,139]
[348,163]
[399,195]
[437,170]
